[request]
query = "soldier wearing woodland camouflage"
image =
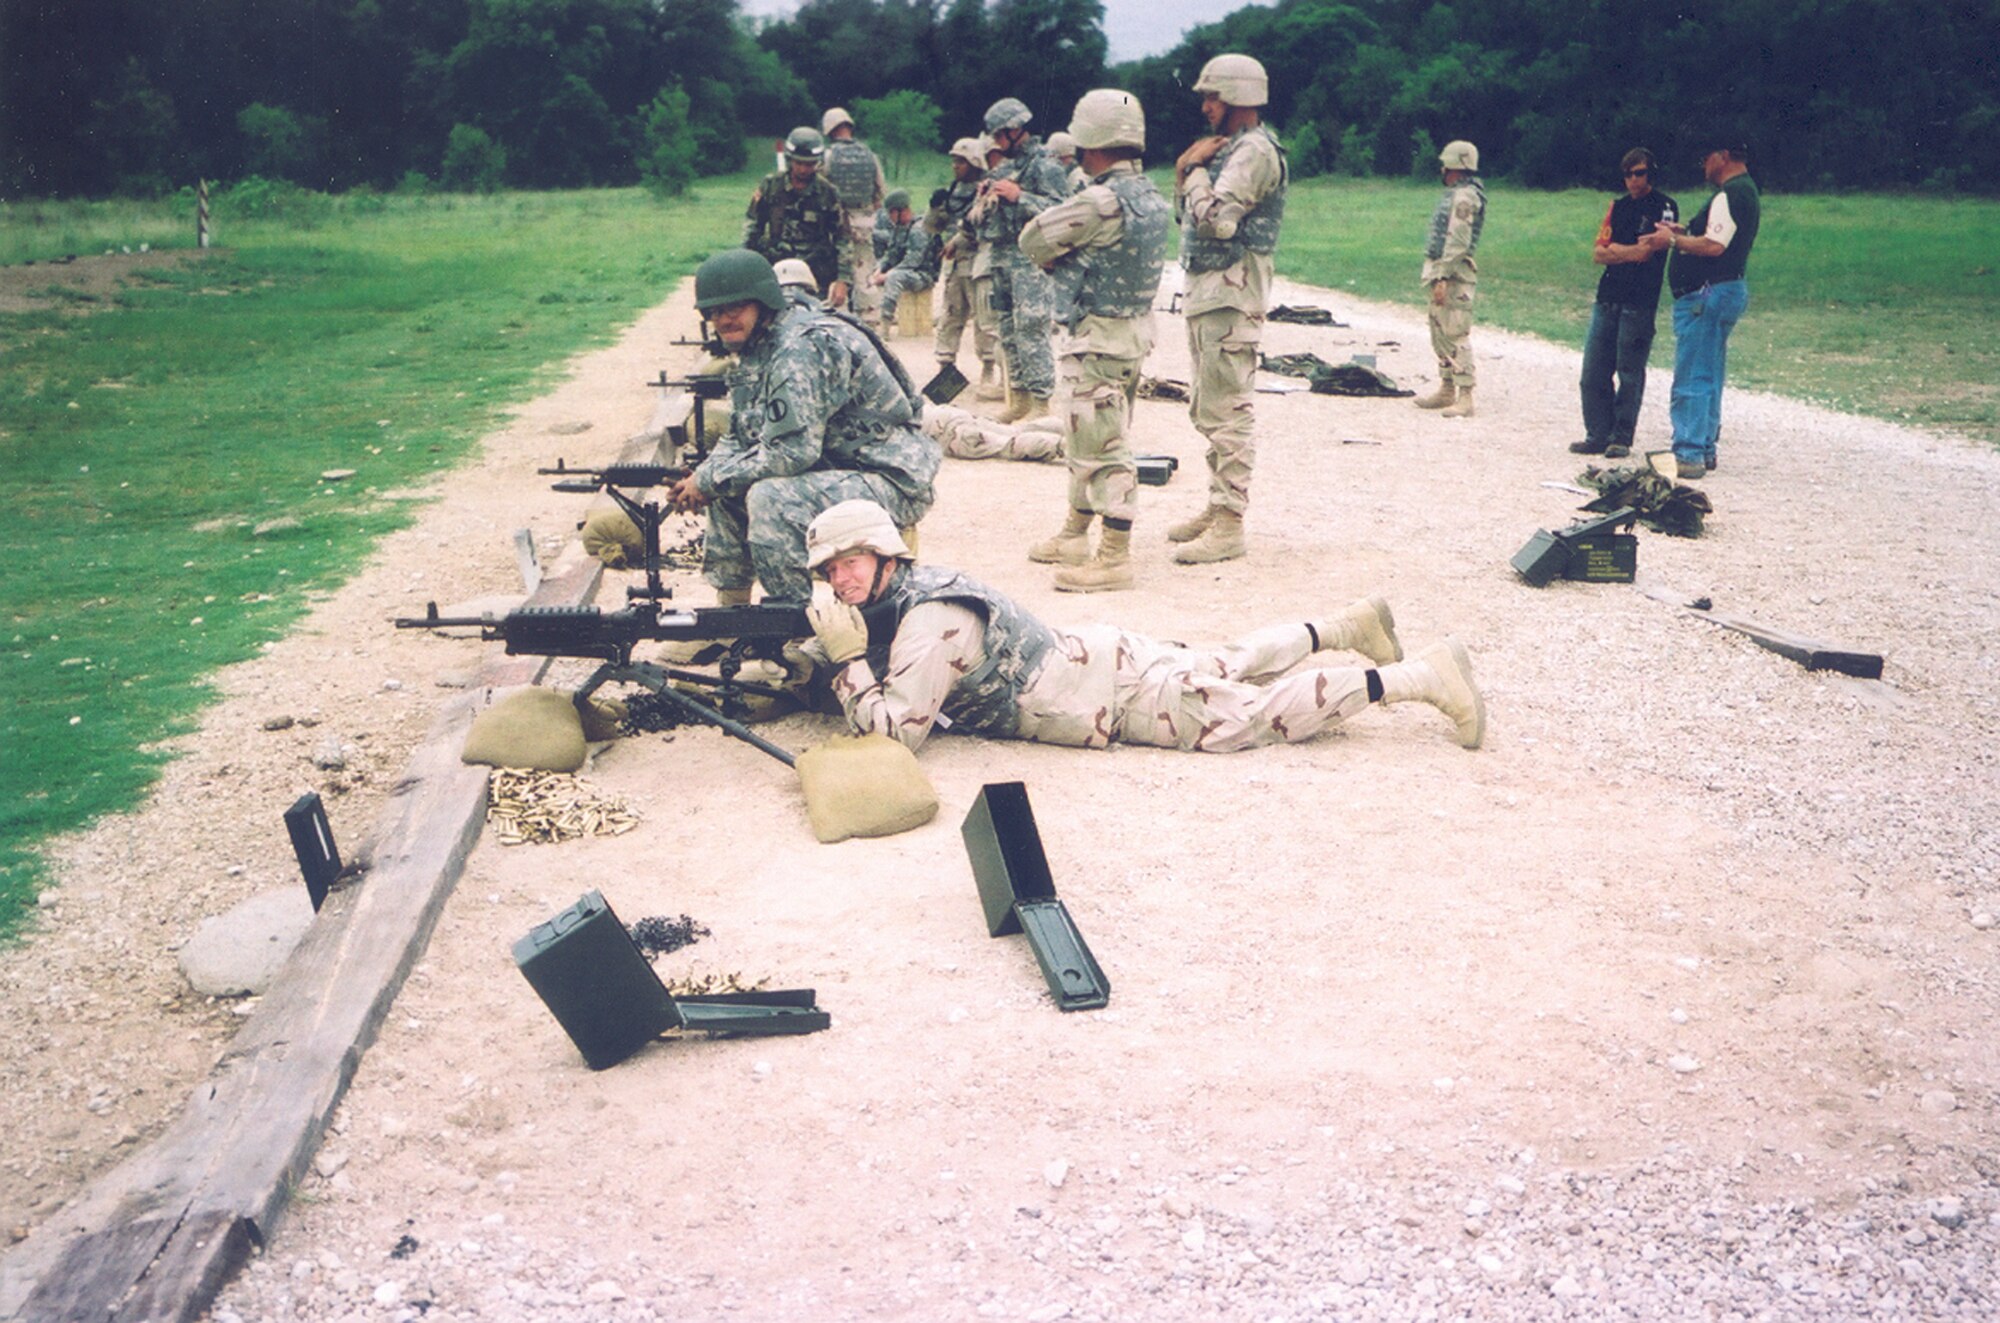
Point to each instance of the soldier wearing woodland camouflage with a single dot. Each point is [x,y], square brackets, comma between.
[1027,182]
[1453,277]
[857,177]
[1103,249]
[958,256]
[913,648]
[820,412]
[1232,199]
[795,213]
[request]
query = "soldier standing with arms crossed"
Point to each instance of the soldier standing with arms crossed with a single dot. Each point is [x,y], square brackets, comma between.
[1231,198]
[1104,249]
[957,307]
[795,213]
[1453,277]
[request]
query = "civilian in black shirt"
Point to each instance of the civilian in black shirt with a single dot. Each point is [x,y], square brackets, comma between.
[1628,303]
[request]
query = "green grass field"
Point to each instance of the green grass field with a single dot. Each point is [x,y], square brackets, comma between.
[146,443]
[1875,305]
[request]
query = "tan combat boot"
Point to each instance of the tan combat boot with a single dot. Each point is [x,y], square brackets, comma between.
[1463,409]
[1439,398]
[1222,540]
[1024,406]
[1366,627]
[700,652]
[1069,547]
[1189,529]
[989,384]
[1440,675]
[1108,571]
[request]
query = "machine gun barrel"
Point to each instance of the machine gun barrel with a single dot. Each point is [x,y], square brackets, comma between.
[589,631]
[576,478]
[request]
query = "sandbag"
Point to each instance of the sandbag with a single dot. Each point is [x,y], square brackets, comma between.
[532,727]
[612,537]
[864,785]
[603,718]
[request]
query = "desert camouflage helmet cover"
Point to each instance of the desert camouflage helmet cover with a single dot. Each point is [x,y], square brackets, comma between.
[972,151]
[791,271]
[852,526]
[1458,154]
[1007,113]
[1062,143]
[805,144]
[737,275]
[834,118]
[1106,117]
[1238,79]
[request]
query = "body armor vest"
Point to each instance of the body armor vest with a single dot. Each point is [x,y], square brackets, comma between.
[1257,232]
[1441,219]
[1121,280]
[850,168]
[1016,645]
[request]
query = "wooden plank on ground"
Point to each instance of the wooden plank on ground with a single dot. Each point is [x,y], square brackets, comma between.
[159,1235]
[1809,653]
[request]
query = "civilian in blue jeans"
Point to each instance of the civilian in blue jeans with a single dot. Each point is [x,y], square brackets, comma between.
[1628,304]
[1705,274]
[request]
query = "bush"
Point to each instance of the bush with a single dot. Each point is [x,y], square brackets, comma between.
[667,148]
[254,197]
[473,162]
[1355,157]
[413,184]
[1423,156]
[1305,152]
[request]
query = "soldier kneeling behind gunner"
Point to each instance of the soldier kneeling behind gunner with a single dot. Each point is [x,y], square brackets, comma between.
[912,647]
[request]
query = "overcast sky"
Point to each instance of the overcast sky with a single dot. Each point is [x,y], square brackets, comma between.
[1135,28]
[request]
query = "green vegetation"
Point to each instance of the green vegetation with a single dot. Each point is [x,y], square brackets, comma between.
[148,435]
[1871,304]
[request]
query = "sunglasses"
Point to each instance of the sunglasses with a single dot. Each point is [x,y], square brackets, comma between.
[1638,170]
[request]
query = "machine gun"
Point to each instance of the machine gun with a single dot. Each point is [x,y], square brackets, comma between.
[743,633]
[703,389]
[646,516]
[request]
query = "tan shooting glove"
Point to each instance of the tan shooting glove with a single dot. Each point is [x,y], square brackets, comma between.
[839,628]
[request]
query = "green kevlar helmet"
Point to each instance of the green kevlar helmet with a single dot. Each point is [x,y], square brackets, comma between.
[737,275]
[805,144]
[898,200]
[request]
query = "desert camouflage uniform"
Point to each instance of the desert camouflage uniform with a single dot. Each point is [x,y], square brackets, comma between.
[806,223]
[856,177]
[965,657]
[1105,248]
[1454,236]
[956,307]
[820,413]
[968,436]
[1230,214]
[1021,293]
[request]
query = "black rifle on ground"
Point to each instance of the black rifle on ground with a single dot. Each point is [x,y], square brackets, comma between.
[741,633]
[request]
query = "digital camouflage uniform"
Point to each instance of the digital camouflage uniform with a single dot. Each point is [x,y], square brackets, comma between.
[856,177]
[956,306]
[806,223]
[1231,210]
[1454,236]
[820,413]
[1104,248]
[1021,293]
[909,253]
[964,657]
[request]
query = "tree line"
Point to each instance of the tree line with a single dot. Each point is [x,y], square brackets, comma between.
[102,97]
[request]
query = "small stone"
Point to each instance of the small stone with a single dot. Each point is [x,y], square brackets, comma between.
[46,900]
[392,685]
[283,721]
[394,1127]
[1177,1205]
[457,680]
[1490,1262]
[1566,1287]
[1056,1173]
[1683,1064]
[330,756]
[388,1293]
[1916,1236]
[569,429]
[1677,1015]
[1512,1184]
[1193,1237]
[1477,1208]
[1474,1228]
[762,1070]
[603,1291]
[282,524]
[1939,1102]
[1982,920]
[329,1163]
[1354,1273]
[1444,1084]
[302,1269]
[1946,1212]
[336,475]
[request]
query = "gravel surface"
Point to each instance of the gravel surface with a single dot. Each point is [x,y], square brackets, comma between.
[1668,1003]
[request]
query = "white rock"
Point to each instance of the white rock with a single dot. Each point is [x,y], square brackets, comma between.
[761,1070]
[241,950]
[1193,1237]
[1946,1212]
[329,1163]
[1939,1102]
[1056,1173]
[1477,1208]
[1982,920]
[1354,1272]
[47,899]
[1566,1287]
[388,1293]
[602,1291]
[1511,1184]
[302,1269]
[1683,1064]
[1176,1205]
[1677,1015]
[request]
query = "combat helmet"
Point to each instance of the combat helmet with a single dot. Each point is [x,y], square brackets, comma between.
[805,143]
[791,271]
[853,526]
[898,199]
[1061,143]
[1238,79]
[834,118]
[972,151]
[1458,154]
[1007,113]
[1106,117]
[737,275]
